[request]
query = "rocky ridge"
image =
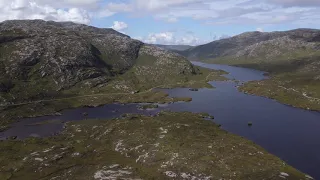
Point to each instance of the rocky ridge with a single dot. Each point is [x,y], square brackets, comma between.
[44,57]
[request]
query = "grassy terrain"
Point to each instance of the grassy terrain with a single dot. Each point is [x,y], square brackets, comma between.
[294,77]
[123,89]
[168,146]
[291,57]
[290,89]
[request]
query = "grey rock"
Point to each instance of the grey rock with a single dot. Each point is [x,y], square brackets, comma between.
[42,58]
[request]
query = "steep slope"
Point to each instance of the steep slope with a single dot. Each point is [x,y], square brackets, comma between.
[292,58]
[46,58]
[57,56]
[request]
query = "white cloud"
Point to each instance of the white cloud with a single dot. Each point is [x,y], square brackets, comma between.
[119,26]
[104,13]
[260,29]
[22,9]
[224,11]
[152,5]
[296,3]
[66,3]
[116,7]
[210,11]
[159,38]
[170,38]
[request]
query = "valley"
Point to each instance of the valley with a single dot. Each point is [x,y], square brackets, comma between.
[292,59]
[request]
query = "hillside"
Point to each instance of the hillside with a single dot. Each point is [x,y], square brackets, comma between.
[250,45]
[291,57]
[44,58]
[42,62]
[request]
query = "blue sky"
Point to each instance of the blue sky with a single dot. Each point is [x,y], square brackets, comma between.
[190,22]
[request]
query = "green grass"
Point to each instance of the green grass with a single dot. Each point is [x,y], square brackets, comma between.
[288,91]
[293,77]
[106,95]
[141,147]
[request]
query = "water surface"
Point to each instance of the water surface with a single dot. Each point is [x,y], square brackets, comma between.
[50,125]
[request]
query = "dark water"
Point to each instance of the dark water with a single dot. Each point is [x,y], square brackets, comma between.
[50,125]
[290,133]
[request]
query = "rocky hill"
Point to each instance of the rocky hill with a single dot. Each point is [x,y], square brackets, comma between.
[291,57]
[257,44]
[295,51]
[41,59]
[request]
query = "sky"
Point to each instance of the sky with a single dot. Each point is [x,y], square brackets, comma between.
[183,22]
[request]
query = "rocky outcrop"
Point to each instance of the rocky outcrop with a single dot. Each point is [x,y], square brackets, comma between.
[66,52]
[56,56]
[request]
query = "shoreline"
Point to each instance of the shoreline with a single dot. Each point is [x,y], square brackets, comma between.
[168,142]
[242,88]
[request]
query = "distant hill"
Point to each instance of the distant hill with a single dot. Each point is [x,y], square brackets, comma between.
[291,57]
[274,51]
[254,44]
[174,47]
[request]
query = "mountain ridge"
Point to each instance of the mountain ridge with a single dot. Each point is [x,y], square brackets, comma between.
[229,46]
[48,57]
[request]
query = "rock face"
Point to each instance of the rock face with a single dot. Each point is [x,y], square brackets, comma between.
[50,56]
[67,52]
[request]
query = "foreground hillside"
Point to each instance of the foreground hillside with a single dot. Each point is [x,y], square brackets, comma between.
[168,146]
[49,66]
[292,58]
